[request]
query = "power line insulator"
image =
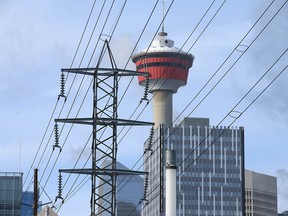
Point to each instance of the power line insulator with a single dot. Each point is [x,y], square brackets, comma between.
[147,83]
[62,87]
[146,89]
[59,196]
[146,180]
[56,135]
[150,141]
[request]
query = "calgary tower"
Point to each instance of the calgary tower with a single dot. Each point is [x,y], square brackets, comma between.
[168,67]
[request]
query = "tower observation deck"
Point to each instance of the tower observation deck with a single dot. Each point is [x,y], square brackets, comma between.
[168,67]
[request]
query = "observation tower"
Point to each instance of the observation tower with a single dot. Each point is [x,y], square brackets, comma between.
[168,69]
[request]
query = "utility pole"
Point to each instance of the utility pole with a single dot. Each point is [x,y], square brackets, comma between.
[104,124]
[35,206]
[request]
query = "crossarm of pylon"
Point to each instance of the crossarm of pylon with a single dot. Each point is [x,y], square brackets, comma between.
[104,72]
[104,121]
[103,172]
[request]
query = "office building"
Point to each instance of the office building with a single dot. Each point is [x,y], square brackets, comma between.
[285,213]
[129,192]
[210,169]
[260,194]
[10,193]
[27,203]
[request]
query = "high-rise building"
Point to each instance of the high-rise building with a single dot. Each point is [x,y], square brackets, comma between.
[285,213]
[260,194]
[128,194]
[10,193]
[28,202]
[210,169]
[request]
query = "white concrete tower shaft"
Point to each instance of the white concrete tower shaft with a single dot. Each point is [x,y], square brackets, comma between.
[162,108]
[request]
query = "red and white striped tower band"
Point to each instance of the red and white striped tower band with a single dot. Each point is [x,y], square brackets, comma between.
[168,67]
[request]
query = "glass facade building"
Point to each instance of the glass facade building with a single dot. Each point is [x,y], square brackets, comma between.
[129,192]
[10,193]
[210,169]
[285,213]
[27,203]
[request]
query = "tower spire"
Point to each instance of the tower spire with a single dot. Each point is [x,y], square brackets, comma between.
[163,16]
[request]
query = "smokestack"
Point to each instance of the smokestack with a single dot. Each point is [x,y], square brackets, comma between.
[170,183]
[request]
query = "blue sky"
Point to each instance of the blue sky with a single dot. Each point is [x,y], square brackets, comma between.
[38,38]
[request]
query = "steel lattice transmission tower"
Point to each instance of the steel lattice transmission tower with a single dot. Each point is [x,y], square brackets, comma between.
[104,124]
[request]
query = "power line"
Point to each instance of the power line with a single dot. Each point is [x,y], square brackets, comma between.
[226,61]
[62,108]
[187,52]
[89,41]
[260,78]
[259,33]
[53,112]
[119,16]
[234,120]
[202,32]
[181,49]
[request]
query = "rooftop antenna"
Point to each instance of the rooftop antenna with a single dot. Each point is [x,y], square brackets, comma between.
[163,16]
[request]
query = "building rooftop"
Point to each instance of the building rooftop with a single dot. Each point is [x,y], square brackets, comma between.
[13,174]
[188,121]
